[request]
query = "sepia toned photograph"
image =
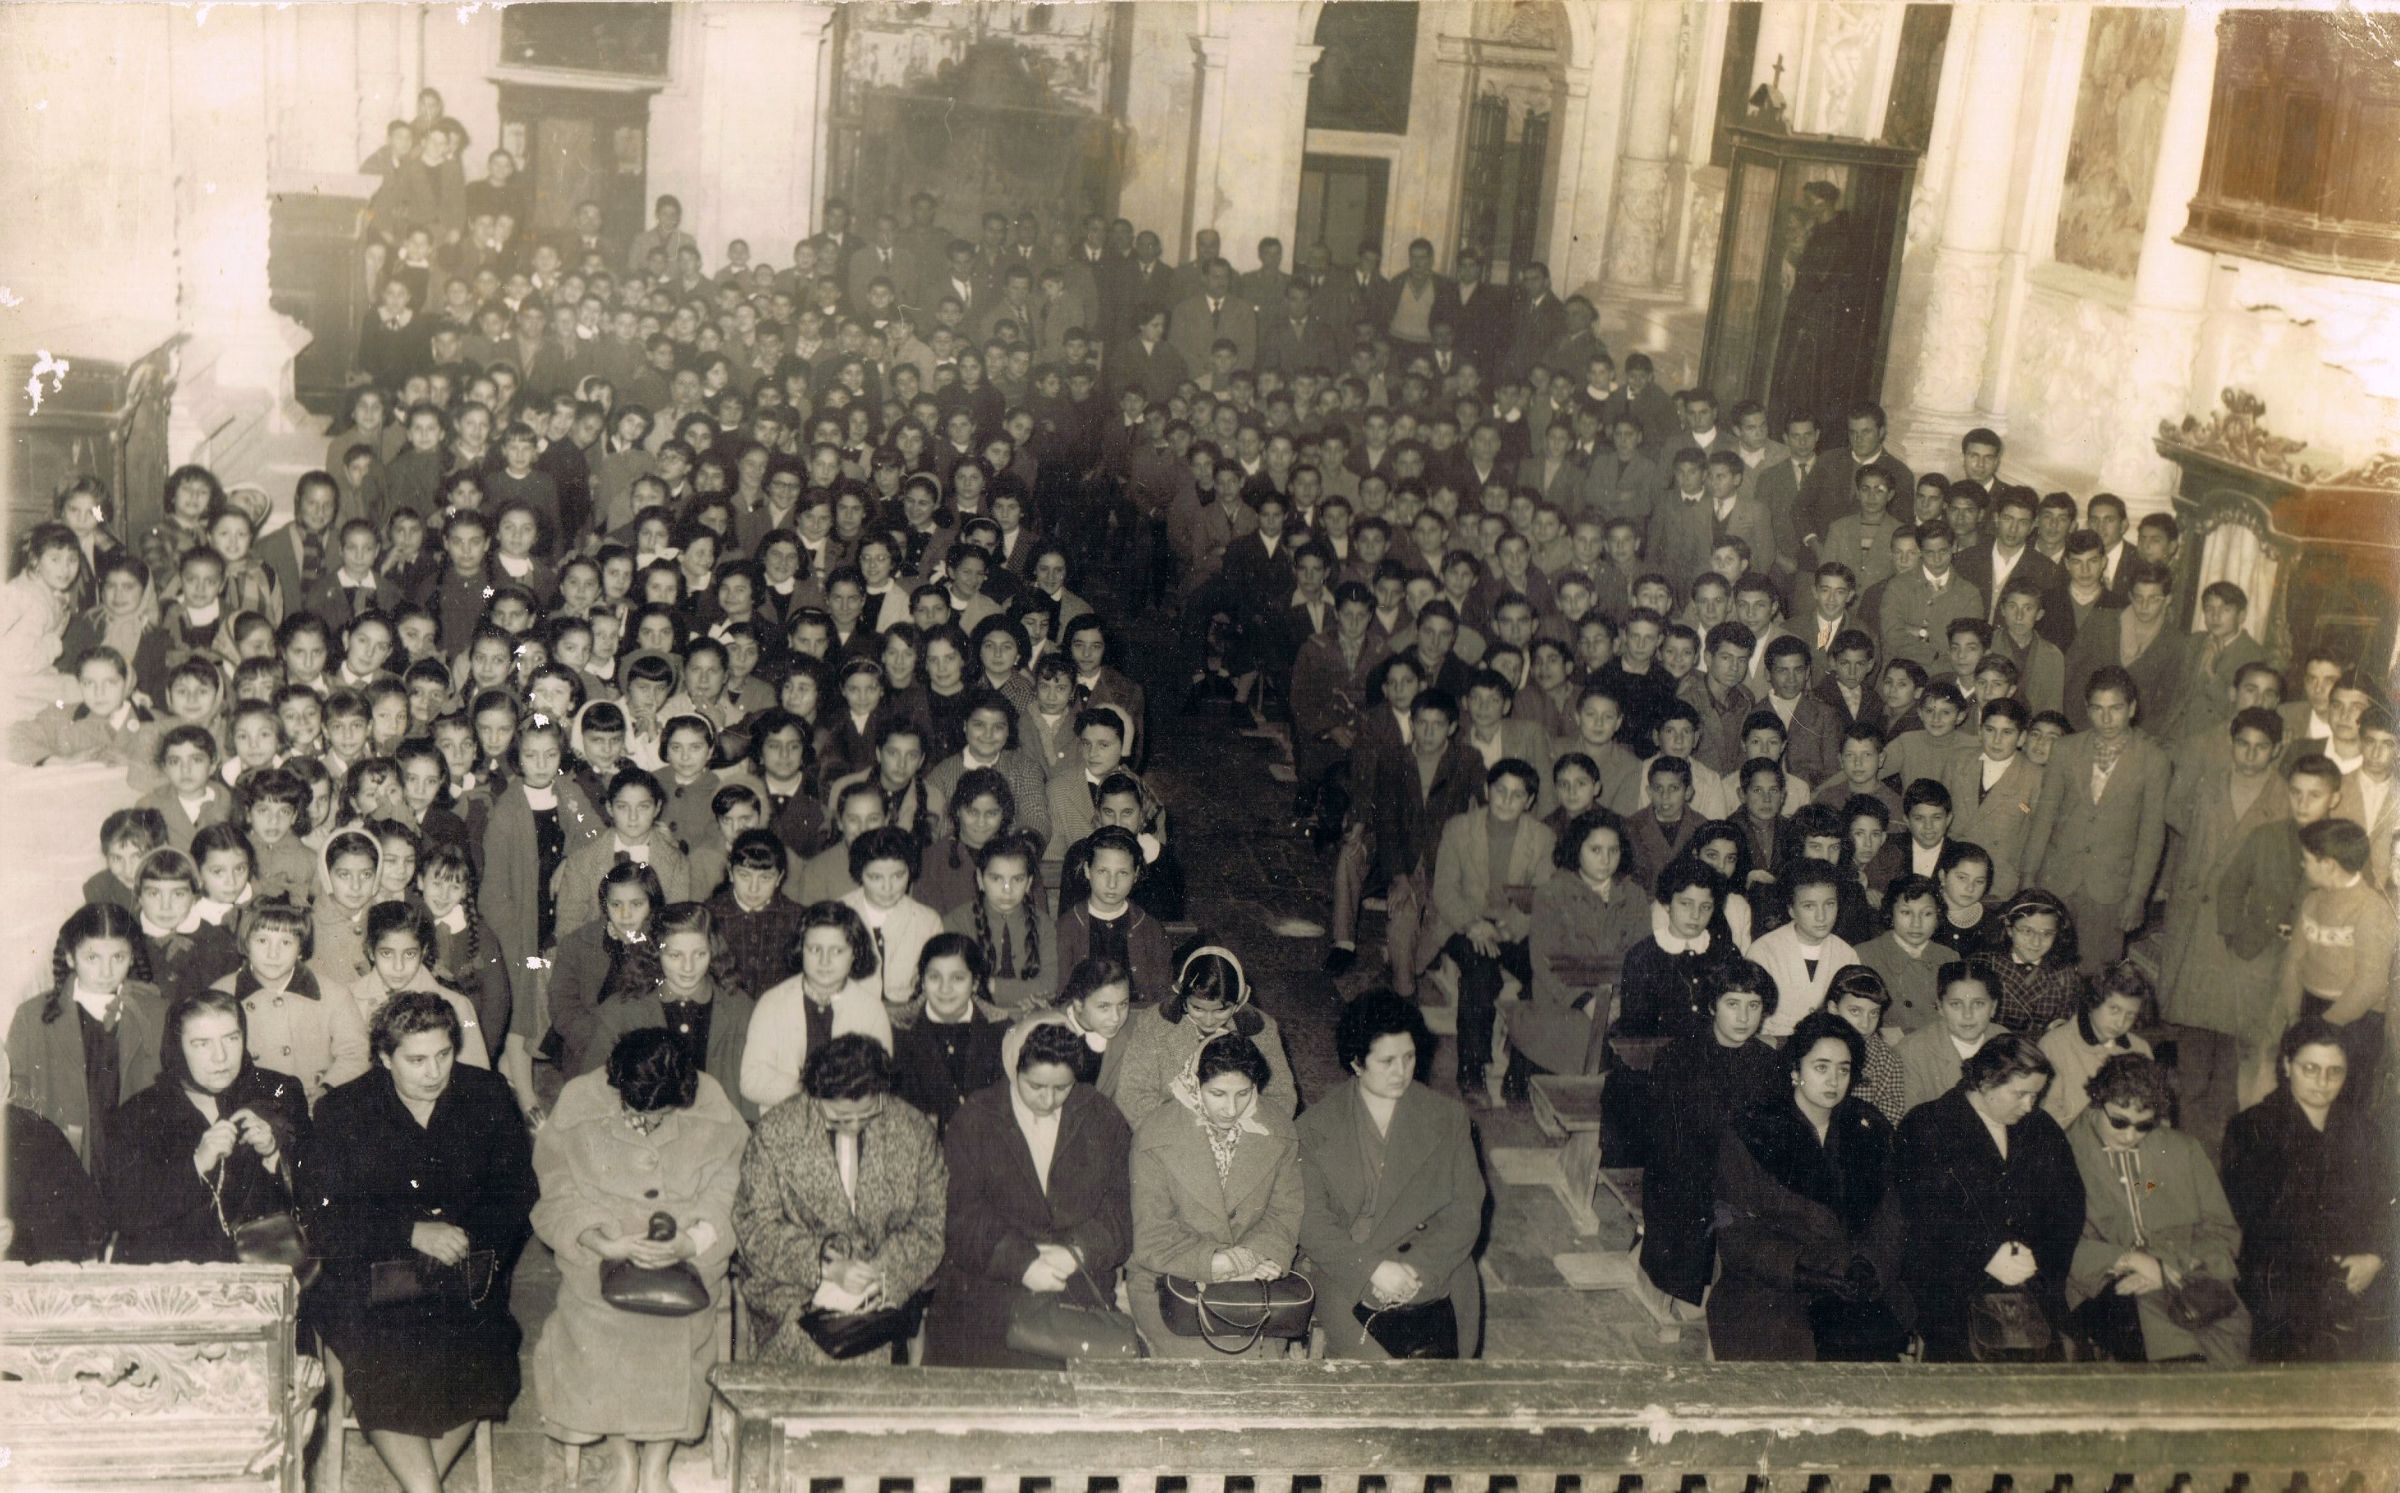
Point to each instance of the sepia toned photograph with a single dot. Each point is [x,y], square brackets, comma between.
[1200,746]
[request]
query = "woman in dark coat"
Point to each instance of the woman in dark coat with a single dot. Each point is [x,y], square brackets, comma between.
[2309,1181]
[1394,1189]
[420,1161]
[1698,1084]
[1809,1219]
[1982,1219]
[207,1146]
[1016,1228]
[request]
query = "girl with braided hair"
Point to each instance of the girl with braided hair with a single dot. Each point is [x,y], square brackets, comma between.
[1007,921]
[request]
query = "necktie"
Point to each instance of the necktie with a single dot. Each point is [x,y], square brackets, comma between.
[1008,955]
[883,965]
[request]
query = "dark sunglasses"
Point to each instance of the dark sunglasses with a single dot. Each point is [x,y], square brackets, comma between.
[2138,1127]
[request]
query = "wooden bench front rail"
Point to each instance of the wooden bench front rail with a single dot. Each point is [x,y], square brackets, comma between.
[151,1376]
[1741,1428]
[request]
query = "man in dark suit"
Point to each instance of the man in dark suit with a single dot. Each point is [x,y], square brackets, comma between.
[1541,320]
[1484,319]
[1144,281]
[585,237]
[1215,314]
[1655,409]
[2158,667]
[1357,293]
[2105,516]
[879,258]
[1832,487]
[1778,483]
[2009,555]
[1296,337]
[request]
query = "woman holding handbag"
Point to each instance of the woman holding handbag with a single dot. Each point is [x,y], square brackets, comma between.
[204,1152]
[626,1354]
[840,1212]
[1994,1208]
[1040,1210]
[418,1181]
[2154,1272]
[1217,1198]
[1394,1196]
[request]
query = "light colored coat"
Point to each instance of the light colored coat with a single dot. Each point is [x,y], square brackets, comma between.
[598,1369]
[2185,1223]
[778,1043]
[1462,876]
[1183,1214]
[1998,820]
[2105,852]
[577,884]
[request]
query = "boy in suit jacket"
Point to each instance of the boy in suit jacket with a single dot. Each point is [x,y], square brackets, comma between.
[1992,793]
[2100,824]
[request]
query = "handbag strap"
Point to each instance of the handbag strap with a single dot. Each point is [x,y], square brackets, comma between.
[1258,1329]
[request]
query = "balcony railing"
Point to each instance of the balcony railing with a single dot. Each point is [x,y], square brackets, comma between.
[1610,1428]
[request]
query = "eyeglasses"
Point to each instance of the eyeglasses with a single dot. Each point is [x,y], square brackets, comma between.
[2138,1127]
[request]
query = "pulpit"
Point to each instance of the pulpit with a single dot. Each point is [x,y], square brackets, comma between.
[2317,552]
[1808,271]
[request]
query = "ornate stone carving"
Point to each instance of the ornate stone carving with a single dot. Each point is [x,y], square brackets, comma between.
[1535,23]
[2240,436]
[1638,224]
[1845,54]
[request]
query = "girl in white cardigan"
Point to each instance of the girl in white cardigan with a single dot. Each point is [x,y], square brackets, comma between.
[1803,954]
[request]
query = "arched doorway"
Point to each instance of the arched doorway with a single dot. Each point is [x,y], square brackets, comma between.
[1515,59]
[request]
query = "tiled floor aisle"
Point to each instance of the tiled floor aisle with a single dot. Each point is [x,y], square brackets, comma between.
[1247,868]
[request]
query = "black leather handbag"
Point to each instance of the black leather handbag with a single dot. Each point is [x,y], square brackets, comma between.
[1427,1329]
[1232,1316]
[1051,1324]
[655,1291]
[271,1238]
[847,1335]
[422,1278]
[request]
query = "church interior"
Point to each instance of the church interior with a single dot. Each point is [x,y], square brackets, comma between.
[2146,250]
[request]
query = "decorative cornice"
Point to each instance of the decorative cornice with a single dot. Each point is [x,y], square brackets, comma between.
[2239,435]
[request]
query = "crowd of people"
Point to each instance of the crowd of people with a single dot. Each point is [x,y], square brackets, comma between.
[662,793]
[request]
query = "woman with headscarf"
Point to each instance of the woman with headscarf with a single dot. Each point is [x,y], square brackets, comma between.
[1039,1201]
[207,1147]
[1217,1194]
[1211,997]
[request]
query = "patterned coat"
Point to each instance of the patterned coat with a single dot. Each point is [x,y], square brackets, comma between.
[791,1204]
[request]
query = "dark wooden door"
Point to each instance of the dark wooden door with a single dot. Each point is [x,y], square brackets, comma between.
[1341,203]
[582,145]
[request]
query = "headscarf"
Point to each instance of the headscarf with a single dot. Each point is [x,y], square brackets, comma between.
[1012,1042]
[1186,1089]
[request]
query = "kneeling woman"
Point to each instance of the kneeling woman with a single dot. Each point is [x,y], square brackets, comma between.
[1810,1226]
[1067,1232]
[419,1180]
[206,1147]
[1395,1193]
[1216,1187]
[650,1134]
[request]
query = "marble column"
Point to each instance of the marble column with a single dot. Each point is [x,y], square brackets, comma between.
[1203,204]
[219,101]
[1283,183]
[1644,201]
[1591,131]
[2170,287]
[1963,302]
